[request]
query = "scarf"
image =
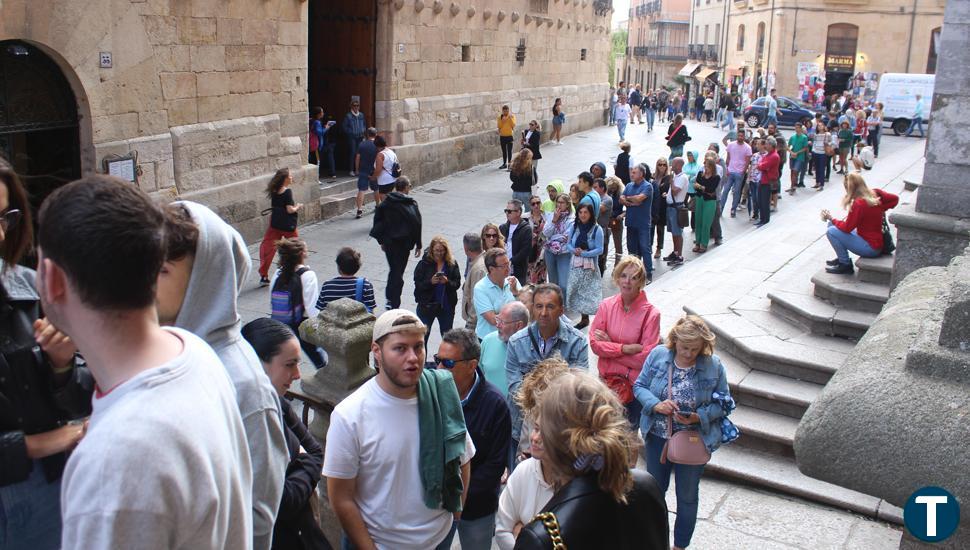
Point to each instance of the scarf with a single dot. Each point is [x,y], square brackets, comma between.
[582,241]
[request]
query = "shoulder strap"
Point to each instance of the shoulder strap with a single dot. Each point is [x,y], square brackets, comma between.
[296,287]
[359,289]
[670,395]
[535,344]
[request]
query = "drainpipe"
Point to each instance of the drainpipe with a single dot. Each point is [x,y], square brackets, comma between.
[912,25]
[771,31]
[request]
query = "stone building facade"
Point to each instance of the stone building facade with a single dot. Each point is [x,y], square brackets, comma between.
[658,40]
[212,95]
[708,19]
[769,42]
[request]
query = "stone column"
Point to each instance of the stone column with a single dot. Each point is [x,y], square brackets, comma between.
[344,329]
[939,229]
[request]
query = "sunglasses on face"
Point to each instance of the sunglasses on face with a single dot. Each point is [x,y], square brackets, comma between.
[9,219]
[509,210]
[492,235]
[447,363]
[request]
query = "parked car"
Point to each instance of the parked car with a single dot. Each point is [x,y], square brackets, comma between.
[897,93]
[790,111]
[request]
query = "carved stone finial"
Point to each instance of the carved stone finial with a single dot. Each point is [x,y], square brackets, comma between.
[454,9]
[501,15]
[418,5]
[487,14]
[515,16]
[470,12]
[437,6]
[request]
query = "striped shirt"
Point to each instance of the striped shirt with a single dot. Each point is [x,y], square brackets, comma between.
[345,287]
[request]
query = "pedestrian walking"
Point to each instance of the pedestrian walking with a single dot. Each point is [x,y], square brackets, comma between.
[282,221]
[531,138]
[397,228]
[279,352]
[386,170]
[771,106]
[636,98]
[861,230]
[558,119]
[917,120]
[622,117]
[506,132]
[624,332]
[661,183]
[588,448]
[624,163]
[662,98]
[698,109]
[557,231]
[708,107]
[874,123]
[354,126]
[521,175]
[364,166]
[585,282]
[318,140]
[682,388]
[676,137]
[436,283]
[705,204]
[293,293]
[651,105]
[347,284]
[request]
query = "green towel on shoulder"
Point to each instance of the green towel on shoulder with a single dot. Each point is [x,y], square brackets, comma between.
[441,424]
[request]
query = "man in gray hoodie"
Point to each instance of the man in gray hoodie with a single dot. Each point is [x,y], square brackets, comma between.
[206,265]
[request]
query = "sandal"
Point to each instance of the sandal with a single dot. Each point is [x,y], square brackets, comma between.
[696,249]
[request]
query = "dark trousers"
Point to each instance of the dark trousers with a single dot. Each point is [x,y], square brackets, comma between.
[324,155]
[317,355]
[764,202]
[873,140]
[660,230]
[506,143]
[429,312]
[820,160]
[354,143]
[396,253]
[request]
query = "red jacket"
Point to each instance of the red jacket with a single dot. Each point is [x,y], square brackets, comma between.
[867,220]
[769,167]
[640,326]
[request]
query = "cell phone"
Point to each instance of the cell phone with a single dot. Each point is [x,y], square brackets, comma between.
[685,413]
[439,274]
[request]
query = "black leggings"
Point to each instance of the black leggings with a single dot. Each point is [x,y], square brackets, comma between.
[506,144]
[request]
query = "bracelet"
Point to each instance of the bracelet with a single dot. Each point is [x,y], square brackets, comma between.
[63,370]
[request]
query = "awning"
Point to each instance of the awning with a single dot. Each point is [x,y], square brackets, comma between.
[703,74]
[689,69]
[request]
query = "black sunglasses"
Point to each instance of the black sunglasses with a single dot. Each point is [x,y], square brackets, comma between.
[448,363]
[509,210]
[9,219]
[492,235]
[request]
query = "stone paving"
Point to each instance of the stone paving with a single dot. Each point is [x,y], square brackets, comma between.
[731,515]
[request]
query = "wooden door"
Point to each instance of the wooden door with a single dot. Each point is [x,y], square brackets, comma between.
[342,61]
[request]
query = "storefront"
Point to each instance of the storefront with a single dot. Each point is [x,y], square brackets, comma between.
[840,52]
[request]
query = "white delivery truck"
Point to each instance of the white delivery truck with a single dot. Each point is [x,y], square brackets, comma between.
[897,92]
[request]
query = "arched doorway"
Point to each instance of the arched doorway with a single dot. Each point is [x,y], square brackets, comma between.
[840,51]
[38,119]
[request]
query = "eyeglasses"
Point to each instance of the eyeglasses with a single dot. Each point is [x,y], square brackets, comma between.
[492,235]
[9,219]
[509,210]
[503,266]
[536,203]
[448,363]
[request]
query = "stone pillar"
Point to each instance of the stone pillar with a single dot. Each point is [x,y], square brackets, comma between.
[939,229]
[344,329]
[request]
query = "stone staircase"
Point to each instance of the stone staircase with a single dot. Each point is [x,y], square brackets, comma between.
[778,359]
[337,197]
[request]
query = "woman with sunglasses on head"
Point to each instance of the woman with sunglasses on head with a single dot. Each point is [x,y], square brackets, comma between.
[43,386]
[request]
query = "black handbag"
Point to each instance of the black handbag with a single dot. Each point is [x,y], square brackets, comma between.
[888,244]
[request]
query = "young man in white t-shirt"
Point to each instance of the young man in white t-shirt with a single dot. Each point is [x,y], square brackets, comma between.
[164,461]
[372,460]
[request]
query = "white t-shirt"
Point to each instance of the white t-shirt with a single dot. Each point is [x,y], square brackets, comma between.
[525,494]
[164,462]
[384,176]
[867,157]
[678,188]
[623,111]
[373,437]
[311,289]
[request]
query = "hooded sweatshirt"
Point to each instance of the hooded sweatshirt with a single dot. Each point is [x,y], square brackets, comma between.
[549,205]
[691,169]
[398,220]
[222,264]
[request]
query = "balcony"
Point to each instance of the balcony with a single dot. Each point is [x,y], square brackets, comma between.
[712,53]
[671,18]
[640,51]
[667,53]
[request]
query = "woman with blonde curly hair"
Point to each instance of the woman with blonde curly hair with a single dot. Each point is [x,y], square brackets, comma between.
[683,386]
[861,230]
[436,283]
[600,501]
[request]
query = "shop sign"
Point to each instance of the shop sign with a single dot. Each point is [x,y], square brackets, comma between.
[843,63]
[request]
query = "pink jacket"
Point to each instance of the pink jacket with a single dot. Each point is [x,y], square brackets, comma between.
[640,326]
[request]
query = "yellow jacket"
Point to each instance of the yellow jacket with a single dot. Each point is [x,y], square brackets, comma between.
[506,127]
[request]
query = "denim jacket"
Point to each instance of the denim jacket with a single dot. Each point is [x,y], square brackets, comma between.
[522,356]
[710,377]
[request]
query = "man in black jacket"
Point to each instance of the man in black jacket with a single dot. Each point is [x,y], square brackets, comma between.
[397,227]
[518,244]
[489,424]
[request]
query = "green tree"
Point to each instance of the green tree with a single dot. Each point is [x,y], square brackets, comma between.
[619,48]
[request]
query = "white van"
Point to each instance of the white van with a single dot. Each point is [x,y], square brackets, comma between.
[897,92]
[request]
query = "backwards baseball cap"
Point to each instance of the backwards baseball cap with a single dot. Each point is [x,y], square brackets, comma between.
[397,320]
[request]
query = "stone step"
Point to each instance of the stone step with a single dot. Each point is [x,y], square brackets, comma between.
[911,185]
[848,292]
[781,474]
[767,391]
[334,205]
[875,270]
[819,316]
[340,185]
[805,360]
[765,431]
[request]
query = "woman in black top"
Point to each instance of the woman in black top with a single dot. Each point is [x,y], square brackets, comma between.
[530,140]
[279,352]
[705,203]
[661,184]
[282,221]
[42,389]
[520,172]
[677,137]
[436,283]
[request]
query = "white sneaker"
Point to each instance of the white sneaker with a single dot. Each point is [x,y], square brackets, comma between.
[352,174]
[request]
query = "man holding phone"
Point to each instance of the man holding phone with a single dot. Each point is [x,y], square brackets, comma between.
[495,290]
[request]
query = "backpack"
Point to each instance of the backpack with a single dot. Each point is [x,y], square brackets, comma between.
[395,170]
[286,302]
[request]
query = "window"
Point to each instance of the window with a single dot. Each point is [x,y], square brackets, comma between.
[934,51]
[740,37]
[707,29]
[539,6]
[760,46]
[582,54]
[717,34]
[697,33]
[466,53]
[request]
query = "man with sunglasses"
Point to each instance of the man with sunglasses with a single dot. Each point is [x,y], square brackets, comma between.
[490,426]
[518,239]
[355,123]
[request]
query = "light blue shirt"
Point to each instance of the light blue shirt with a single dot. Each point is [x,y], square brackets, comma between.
[772,106]
[489,297]
[492,362]
[919,109]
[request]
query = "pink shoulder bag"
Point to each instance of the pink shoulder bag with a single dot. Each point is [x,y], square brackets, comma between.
[686,446]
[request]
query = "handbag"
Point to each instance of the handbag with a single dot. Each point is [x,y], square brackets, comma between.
[551,524]
[683,216]
[621,386]
[888,244]
[686,446]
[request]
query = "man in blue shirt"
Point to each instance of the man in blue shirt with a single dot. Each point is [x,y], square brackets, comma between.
[772,103]
[917,117]
[637,197]
[495,290]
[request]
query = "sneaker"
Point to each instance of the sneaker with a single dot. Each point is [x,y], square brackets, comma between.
[649,277]
[733,214]
[352,173]
[263,281]
[841,269]
[677,260]
[833,262]
[503,167]
[359,214]
[670,257]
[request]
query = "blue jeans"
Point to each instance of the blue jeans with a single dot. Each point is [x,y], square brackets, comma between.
[733,183]
[675,152]
[821,161]
[427,313]
[675,229]
[772,119]
[688,480]
[843,243]
[917,121]
[557,269]
[354,143]
[612,117]
[651,115]
[345,543]
[728,120]
[621,128]
[30,513]
[639,242]
[721,112]
[476,534]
